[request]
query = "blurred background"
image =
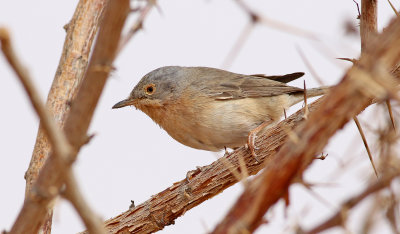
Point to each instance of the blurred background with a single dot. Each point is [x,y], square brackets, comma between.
[131,158]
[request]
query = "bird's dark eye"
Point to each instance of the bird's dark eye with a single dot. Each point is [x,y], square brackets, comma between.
[150,89]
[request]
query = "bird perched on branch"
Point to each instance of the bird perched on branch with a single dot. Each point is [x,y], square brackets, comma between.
[211,109]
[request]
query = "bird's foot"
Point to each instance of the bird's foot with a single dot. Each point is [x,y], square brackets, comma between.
[251,140]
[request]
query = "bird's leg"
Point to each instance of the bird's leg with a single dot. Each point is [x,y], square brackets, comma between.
[226,151]
[252,138]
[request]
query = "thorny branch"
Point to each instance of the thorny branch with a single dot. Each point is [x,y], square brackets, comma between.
[340,217]
[50,178]
[361,84]
[187,186]
[91,220]
[368,22]
[203,183]
[81,31]
[58,141]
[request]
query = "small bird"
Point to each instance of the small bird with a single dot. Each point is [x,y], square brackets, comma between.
[212,109]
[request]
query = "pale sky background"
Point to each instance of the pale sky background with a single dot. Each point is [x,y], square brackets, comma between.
[130,157]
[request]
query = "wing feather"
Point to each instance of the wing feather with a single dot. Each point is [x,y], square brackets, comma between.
[214,84]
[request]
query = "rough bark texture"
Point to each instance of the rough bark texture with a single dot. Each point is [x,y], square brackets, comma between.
[368,21]
[353,94]
[369,78]
[51,178]
[74,59]
[202,184]
[73,62]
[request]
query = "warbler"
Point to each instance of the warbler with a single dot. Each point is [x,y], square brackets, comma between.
[211,109]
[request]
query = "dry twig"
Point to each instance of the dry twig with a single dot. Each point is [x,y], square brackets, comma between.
[360,130]
[137,25]
[393,8]
[256,18]
[58,141]
[204,183]
[92,222]
[368,22]
[339,218]
[50,179]
[305,100]
[74,59]
[233,53]
[309,66]
[81,32]
[389,106]
[343,102]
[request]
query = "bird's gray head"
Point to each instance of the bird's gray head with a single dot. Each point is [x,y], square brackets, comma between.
[157,87]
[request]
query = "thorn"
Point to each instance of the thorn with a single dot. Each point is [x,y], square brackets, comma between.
[348,59]
[66,26]
[322,157]
[358,9]
[132,205]
[389,106]
[264,221]
[88,139]
[393,8]
[365,144]
[305,102]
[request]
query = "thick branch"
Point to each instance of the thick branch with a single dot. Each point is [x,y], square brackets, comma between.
[201,184]
[80,34]
[81,31]
[368,22]
[56,137]
[360,85]
[50,180]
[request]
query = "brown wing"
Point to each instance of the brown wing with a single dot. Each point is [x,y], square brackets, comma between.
[242,86]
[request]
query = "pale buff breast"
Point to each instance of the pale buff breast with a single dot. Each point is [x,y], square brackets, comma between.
[231,121]
[218,124]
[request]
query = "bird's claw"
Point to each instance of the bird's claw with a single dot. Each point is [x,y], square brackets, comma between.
[251,145]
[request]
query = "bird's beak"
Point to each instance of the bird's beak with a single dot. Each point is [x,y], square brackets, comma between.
[126,102]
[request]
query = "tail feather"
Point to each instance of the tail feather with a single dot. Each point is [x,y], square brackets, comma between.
[314,92]
[317,91]
[282,78]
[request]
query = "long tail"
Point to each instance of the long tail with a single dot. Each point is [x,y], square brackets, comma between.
[317,91]
[314,92]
